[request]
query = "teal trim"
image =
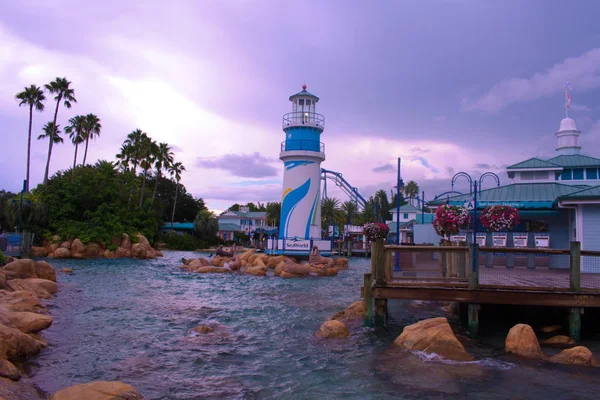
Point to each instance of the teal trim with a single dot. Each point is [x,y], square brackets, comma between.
[533,163]
[574,161]
[181,226]
[293,164]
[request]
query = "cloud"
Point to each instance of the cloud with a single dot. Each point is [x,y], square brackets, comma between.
[243,165]
[580,107]
[582,72]
[384,168]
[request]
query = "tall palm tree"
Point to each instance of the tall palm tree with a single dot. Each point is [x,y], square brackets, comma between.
[162,160]
[132,143]
[176,169]
[60,88]
[273,213]
[206,224]
[34,97]
[330,210]
[350,210]
[411,190]
[384,204]
[52,133]
[76,131]
[92,131]
[148,148]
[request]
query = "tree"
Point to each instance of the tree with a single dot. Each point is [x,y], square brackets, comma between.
[330,210]
[350,210]
[34,97]
[52,133]
[384,205]
[92,131]
[206,224]
[76,131]
[273,210]
[163,158]
[175,171]
[59,87]
[132,147]
[411,190]
[187,206]
[147,149]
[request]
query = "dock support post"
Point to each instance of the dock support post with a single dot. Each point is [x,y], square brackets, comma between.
[368,300]
[443,260]
[575,264]
[381,312]
[474,320]
[575,324]
[378,262]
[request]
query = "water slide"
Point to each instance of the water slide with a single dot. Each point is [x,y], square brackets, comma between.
[343,184]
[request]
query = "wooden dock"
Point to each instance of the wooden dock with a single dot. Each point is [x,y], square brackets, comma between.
[448,273]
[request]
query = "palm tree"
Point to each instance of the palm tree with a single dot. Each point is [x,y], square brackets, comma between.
[147,149]
[59,87]
[273,213]
[76,133]
[206,224]
[384,204]
[34,97]
[162,160]
[132,143]
[350,210]
[411,190]
[175,171]
[52,133]
[330,210]
[92,131]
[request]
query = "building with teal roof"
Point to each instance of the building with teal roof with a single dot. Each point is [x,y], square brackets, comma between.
[558,198]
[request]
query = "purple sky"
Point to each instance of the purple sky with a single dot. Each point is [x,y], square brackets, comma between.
[449,86]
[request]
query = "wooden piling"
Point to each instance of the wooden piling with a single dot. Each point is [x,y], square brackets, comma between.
[575,264]
[443,260]
[368,300]
[473,274]
[463,262]
[575,323]
[378,262]
[381,312]
[473,320]
[388,265]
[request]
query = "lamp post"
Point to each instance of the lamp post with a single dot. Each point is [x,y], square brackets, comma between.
[399,186]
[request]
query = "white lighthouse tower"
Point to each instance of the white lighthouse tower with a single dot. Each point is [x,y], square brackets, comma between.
[302,153]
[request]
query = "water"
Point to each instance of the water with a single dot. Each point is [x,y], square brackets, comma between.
[132,321]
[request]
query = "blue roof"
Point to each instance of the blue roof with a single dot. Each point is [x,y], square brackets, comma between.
[188,226]
[303,93]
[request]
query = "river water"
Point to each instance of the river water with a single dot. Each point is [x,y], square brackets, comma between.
[133,321]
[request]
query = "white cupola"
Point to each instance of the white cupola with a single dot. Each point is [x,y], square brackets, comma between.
[568,138]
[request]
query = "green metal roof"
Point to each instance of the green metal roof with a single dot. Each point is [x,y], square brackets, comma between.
[250,214]
[518,195]
[303,93]
[187,226]
[585,194]
[406,208]
[533,163]
[575,160]
[228,227]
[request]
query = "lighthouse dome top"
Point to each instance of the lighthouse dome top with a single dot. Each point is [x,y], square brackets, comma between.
[567,124]
[304,93]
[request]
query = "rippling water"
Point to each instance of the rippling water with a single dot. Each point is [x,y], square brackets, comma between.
[132,321]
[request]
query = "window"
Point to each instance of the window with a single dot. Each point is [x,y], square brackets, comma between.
[591,173]
[565,175]
[308,102]
[577,173]
[405,216]
[527,175]
[541,175]
[301,102]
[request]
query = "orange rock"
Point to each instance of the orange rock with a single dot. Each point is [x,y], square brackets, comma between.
[99,390]
[521,340]
[579,355]
[559,340]
[355,311]
[333,329]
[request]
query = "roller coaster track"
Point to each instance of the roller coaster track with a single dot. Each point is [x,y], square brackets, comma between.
[343,184]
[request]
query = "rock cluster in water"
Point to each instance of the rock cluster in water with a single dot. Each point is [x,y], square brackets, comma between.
[99,390]
[338,326]
[257,264]
[123,248]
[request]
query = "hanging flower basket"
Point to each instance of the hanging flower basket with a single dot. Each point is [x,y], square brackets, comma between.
[500,218]
[376,230]
[449,220]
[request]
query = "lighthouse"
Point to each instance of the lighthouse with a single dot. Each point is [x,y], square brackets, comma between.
[302,153]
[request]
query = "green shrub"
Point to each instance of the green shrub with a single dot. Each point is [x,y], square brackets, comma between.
[184,242]
[3,258]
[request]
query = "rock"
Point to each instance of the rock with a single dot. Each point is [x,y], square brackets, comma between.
[433,336]
[123,252]
[205,270]
[66,270]
[50,248]
[341,261]
[203,329]
[216,261]
[299,269]
[77,249]
[99,390]
[559,340]
[25,321]
[24,268]
[521,340]
[8,370]
[93,250]
[109,254]
[256,271]
[38,251]
[273,261]
[142,239]
[333,329]
[551,328]
[354,312]
[138,250]
[62,252]
[20,301]
[45,271]
[279,268]
[66,244]
[16,344]
[18,390]
[258,262]
[326,271]
[125,242]
[578,355]
[42,288]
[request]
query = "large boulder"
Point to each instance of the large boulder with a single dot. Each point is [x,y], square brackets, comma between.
[45,271]
[559,340]
[8,370]
[142,239]
[211,269]
[125,242]
[333,329]
[354,312]
[66,244]
[77,249]
[16,344]
[39,251]
[20,301]
[273,261]
[299,269]
[100,390]
[579,355]
[93,250]
[25,321]
[433,336]
[139,250]
[522,341]
[256,271]
[22,269]
[42,288]
[287,275]
[61,252]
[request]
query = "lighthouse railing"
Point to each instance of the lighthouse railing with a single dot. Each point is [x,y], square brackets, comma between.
[300,118]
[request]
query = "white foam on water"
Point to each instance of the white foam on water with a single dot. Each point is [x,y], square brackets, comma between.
[487,362]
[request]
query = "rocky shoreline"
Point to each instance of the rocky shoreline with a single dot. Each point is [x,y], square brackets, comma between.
[119,247]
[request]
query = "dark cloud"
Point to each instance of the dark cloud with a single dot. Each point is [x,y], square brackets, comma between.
[384,168]
[243,165]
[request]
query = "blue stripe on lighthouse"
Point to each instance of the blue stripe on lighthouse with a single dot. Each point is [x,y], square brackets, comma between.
[290,201]
[293,164]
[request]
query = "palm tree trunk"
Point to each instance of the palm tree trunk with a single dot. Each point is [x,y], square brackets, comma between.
[29,149]
[75,158]
[87,141]
[174,204]
[51,141]
[143,187]
[158,175]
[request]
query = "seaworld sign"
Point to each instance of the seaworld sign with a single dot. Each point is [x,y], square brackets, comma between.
[297,244]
